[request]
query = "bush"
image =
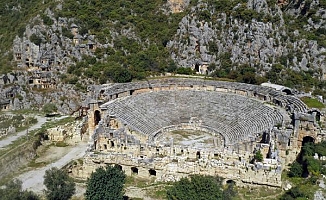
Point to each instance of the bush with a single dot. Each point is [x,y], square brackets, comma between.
[121,75]
[258,156]
[299,192]
[67,33]
[49,108]
[47,20]
[184,70]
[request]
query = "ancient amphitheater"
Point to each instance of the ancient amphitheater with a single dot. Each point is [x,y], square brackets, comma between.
[173,127]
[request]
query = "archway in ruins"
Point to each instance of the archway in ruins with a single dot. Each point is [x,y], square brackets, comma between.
[307,139]
[134,170]
[287,91]
[152,172]
[231,182]
[118,166]
[97,117]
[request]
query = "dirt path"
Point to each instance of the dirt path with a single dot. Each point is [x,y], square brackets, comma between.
[33,180]
[40,121]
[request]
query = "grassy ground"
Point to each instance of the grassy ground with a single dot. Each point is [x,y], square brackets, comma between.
[265,193]
[146,188]
[158,190]
[312,103]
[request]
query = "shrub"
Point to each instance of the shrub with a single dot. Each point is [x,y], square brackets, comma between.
[49,108]
[296,170]
[184,70]
[47,20]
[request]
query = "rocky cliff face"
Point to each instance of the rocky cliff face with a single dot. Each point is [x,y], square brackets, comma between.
[258,33]
[16,95]
[254,32]
[42,56]
[258,42]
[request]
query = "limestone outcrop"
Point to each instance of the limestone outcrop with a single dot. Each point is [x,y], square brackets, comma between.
[199,42]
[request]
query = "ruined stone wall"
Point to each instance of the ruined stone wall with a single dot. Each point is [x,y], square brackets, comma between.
[171,168]
[119,139]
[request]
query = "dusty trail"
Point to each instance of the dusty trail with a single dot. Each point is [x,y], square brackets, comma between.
[33,180]
[40,121]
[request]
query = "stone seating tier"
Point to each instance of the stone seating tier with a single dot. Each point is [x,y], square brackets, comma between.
[235,117]
[110,92]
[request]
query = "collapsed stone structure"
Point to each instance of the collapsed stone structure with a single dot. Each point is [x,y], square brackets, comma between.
[131,126]
[70,132]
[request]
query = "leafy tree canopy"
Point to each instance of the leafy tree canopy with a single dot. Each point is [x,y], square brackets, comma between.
[13,191]
[259,156]
[106,183]
[35,39]
[296,170]
[197,187]
[58,184]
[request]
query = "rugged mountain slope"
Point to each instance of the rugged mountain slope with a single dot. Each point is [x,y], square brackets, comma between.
[257,32]
[86,42]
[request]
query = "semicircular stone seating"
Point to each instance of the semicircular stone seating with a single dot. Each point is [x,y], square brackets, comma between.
[286,101]
[234,116]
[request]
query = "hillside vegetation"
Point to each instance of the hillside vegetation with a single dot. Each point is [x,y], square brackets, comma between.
[14,17]
[248,41]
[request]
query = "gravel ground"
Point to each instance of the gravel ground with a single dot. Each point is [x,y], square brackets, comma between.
[33,180]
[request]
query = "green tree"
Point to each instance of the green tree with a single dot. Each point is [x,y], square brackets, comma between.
[121,75]
[296,170]
[307,149]
[313,165]
[106,183]
[49,108]
[197,187]
[320,148]
[299,192]
[229,192]
[58,184]
[118,74]
[35,39]
[47,20]
[67,33]
[258,156]
[13,191]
